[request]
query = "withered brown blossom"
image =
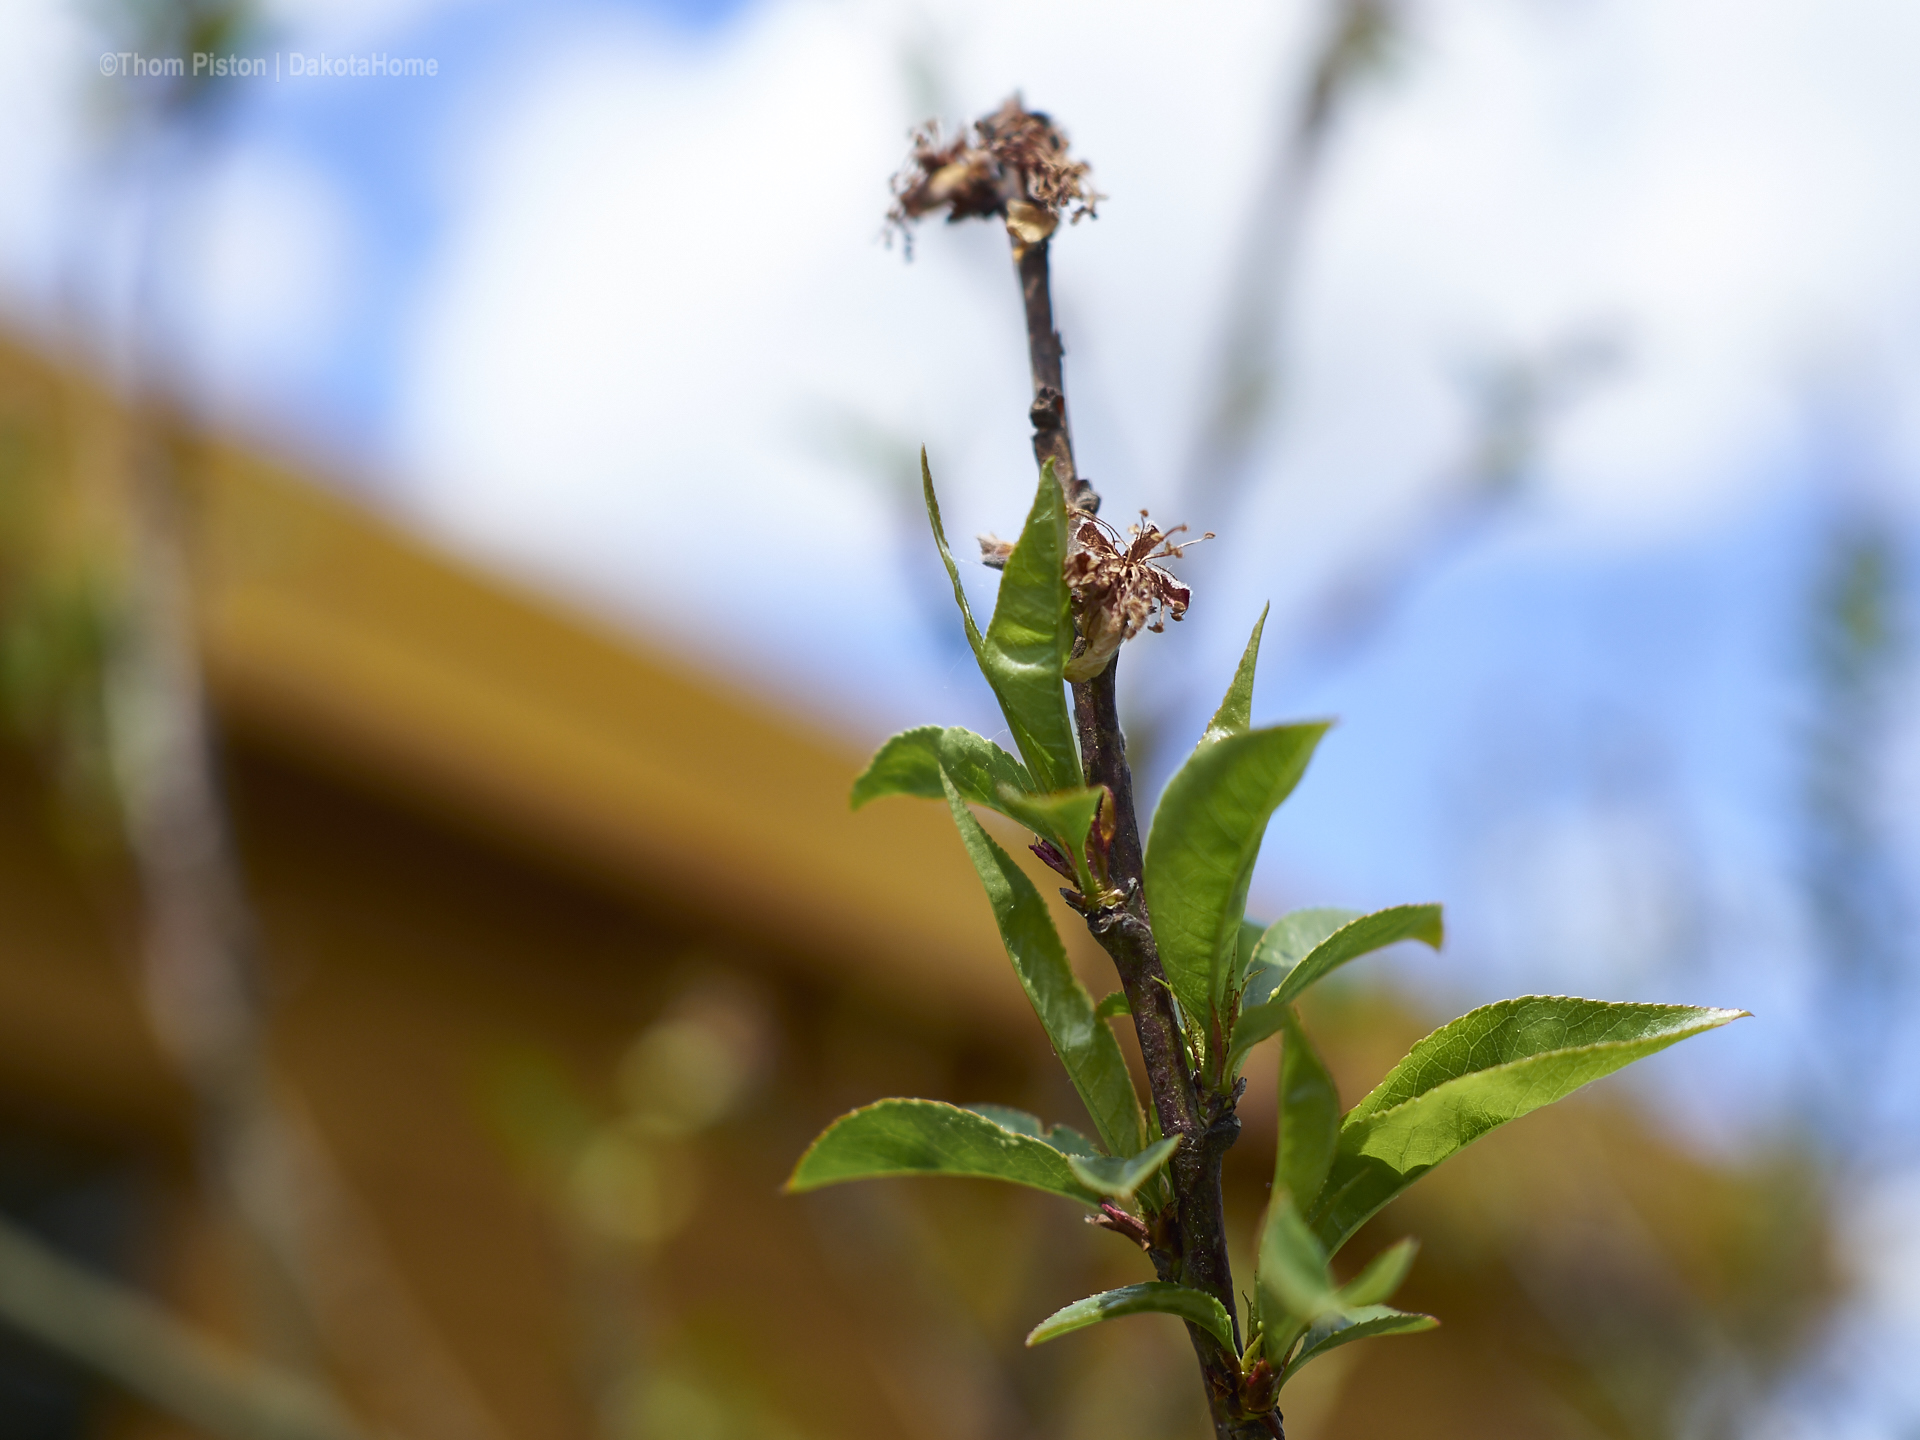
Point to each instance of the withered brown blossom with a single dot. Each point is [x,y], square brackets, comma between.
[1117,588]
[1013,163]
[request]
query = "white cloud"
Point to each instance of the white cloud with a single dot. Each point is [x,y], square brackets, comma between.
[664,278]
[268,282]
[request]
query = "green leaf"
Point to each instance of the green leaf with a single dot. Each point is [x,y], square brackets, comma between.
[1070,1142]
[1064,1138]
[1309,1118]
[974,638]
[1292,1263]
[1200,853]
[1361,937]
[984,774]
[1361,1323]
[1196,1307]
[1383,1275]
[1284,972]
[1286,942]
[1029,639]
[1064,818]
[1291,1284]
[1113,1006]
[1021,1122]
[1250,933]
[1235,715]
[928,1137]
[1024,651]
[1085,1044]
[980,769]
[1490,1066]
[1120,1177]
[908,764]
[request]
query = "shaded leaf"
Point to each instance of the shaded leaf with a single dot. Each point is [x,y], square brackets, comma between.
[1114,1005]
[1283,974]
[1064,818]
[1235,715]
[1294,1284]
[1383,1275]
[929,1137]
[1021,1122]
[1070,1142]
[1084,1043]
[1475,1073]
[1361,937]
[1064,1138]
[1286,942]
[1250,933]
[1154,1296]
[1309,1118]
[1120,1177]
[1206,835]
[1361,1323]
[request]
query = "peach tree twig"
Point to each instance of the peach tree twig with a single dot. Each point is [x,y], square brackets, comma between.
[1201,983]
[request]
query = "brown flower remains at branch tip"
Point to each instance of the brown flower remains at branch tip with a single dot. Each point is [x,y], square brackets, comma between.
[1117,588]
[1013,163]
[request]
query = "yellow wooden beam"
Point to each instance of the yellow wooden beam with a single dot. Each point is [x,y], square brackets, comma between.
[331,632]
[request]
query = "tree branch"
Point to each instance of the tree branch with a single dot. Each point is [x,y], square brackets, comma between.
[1052,439]
[1191,1241]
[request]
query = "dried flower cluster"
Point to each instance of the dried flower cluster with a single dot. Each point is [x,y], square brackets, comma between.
[1117,589]
[1013,163]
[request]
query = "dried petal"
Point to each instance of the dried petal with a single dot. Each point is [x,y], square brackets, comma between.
[1119,591]
[1012,163]
[994,552]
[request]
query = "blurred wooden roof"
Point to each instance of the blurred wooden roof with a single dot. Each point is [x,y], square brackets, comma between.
[331,632]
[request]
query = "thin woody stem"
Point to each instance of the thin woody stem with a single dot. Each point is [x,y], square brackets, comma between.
[1190,1242]
[1052,439]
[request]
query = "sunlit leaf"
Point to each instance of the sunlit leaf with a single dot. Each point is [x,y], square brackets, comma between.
[1490,1066]
[1120,1177]
[1154,1296]
[908,764]
[1235,715]
[1114,1005]
[1200,853]
[1282,971]
[979,769]
[1382,1275]
[929,1137]
[1309,1118]
[1029,639]
[1084,1043]
[1024,651]
[1361,1323]
[974,637]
